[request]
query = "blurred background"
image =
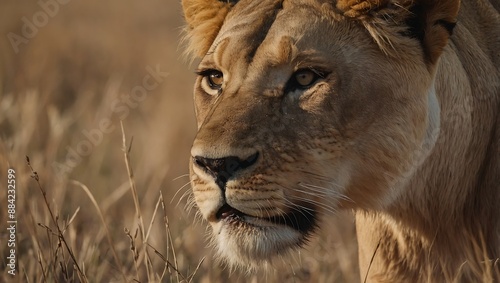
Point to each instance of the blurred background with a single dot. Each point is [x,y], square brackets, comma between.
[70,71]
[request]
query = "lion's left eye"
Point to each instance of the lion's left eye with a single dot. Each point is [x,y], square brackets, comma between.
[305,78]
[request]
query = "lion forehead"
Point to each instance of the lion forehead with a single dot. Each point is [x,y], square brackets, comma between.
[270,32]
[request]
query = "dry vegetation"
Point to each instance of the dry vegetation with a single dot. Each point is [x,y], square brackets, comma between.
[104,213]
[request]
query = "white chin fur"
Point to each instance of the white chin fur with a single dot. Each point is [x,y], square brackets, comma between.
[253,245]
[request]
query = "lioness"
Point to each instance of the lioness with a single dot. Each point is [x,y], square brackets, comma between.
[386,107]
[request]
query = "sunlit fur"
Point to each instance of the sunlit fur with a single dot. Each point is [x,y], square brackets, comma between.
[400,126]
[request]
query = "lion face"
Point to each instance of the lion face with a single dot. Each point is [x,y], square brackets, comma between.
[300,113]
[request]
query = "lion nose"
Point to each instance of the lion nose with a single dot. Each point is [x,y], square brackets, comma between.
[222,169]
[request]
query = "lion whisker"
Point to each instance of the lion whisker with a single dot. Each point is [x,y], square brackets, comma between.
[325,191]
[325,207]
[317,176]
[190,205]
[177,192]
[180,176]
[307,200]
[322,188]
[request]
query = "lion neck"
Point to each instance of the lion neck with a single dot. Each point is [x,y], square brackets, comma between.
[448,213]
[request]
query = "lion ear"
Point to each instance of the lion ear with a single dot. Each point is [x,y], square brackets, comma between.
[204,19]
[432,23]
[429,21]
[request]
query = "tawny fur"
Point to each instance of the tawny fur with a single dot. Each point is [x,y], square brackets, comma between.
[404,128]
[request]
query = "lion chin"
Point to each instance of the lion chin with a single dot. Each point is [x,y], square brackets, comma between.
[251,243]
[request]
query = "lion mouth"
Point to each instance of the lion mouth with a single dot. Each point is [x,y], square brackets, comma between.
[227,212]
[301,219]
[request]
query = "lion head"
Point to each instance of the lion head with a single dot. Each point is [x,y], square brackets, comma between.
[305,107]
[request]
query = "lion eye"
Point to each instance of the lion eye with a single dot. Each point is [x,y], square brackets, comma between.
[305,78]
[212,81]
[215,79]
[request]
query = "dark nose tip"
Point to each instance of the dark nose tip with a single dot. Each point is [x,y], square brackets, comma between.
[222,169]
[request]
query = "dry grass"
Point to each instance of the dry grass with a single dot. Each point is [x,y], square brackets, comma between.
[114,212]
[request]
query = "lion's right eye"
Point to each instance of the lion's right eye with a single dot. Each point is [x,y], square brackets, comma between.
[212,81]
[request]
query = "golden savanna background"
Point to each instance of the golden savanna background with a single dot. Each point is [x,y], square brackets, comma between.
[70,71]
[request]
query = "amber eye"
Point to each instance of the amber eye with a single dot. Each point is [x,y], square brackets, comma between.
[215,79]
[305,78]
[211,81]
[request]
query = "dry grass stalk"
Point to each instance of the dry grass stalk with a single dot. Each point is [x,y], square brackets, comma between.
[105,226]
[138,212]
[170,243]
[59,234]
